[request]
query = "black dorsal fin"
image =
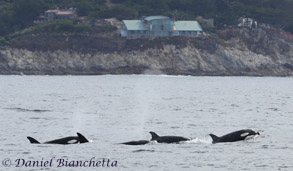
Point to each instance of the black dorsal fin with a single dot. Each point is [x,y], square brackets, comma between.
[154,135]
[33,141]
[215,138]
[81,138]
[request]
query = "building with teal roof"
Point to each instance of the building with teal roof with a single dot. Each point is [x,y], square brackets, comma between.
[159,26]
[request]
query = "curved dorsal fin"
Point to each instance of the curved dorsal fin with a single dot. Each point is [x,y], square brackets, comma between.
[33,141]
[81,138]
[154,135]
[215,138]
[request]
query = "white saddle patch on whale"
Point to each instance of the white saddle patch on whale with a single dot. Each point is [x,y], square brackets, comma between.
[72,141]
[244,134]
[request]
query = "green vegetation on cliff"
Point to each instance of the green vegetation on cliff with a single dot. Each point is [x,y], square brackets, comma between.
[16,15]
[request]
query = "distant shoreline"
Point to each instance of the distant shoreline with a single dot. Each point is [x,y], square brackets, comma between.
[235,51]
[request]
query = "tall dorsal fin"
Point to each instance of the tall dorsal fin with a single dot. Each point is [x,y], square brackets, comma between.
[81,138]
[215,138]
[154,135]
[33,141]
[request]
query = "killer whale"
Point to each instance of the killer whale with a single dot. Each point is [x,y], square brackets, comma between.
[167,139]
[140,142]
[64,141]
[159,139]
[235,136]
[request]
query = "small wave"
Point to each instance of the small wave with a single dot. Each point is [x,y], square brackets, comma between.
[192,125]
[36,118]
[174,127]
[143,150]
[206,140]
[273,109]
[28,110]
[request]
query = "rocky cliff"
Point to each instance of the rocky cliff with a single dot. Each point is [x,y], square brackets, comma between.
[234,51]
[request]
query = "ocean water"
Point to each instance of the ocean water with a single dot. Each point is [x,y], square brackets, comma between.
[112,109]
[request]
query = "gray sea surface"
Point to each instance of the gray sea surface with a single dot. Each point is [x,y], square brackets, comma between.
[111,109]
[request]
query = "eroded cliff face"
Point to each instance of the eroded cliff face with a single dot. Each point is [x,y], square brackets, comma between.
[258,52]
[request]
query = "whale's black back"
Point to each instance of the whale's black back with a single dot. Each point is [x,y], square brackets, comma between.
[171,139]
[140,142]
[64,141]
[167,139]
